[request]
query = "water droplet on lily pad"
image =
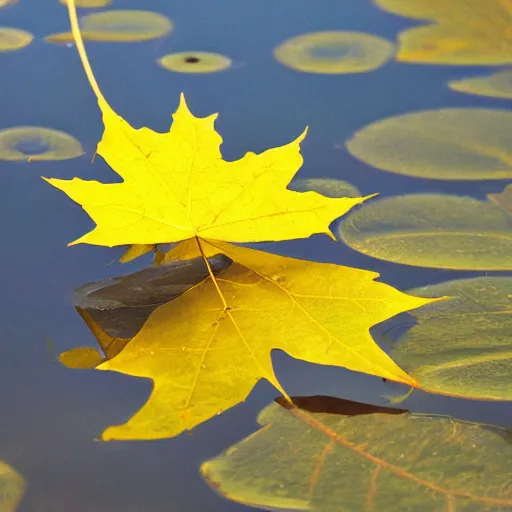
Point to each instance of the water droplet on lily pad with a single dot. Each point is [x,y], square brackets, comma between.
[37,143]
[444,144]
[328,187]
[437,231]
[118,26]
[461,32]
[335,52]
[195,62]
[12,39]
[496,85]
[461,346]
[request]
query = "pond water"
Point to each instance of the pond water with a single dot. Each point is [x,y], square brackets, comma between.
[52,414]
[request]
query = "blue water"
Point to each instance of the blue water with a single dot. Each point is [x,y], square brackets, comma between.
[52,414]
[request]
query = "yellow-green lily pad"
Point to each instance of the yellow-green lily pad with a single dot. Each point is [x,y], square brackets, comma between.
[462,346]
[437,231]
[495,85]
[328,187]
[119,26]
[195,62]
[32,143]
[331,455]
[462,32]
[335,52]
[444,144]
[12,39]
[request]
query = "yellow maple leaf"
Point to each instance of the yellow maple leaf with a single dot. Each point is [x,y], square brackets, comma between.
[176,185]
[316,312]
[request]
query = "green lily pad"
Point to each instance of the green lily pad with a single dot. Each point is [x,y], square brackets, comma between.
[457,32]
[335,52]
[496,85]
[437,231]
[119,26]
[331,455]
[445,144]
[12,39]
[462,346]
[32,143]
[195,62]
[326,186]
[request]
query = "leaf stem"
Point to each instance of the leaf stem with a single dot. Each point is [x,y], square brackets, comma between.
[210,271]
[77,37]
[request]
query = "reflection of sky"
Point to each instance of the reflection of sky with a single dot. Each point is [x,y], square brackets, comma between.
[50,413]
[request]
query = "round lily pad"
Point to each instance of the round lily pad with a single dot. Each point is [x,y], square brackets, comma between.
[496,85]
[444,144]
[462,346]
[37,143]
[335,52]
[122,26]
[437,231]
[125,25]
[195,62]
[14,39]
[326,186]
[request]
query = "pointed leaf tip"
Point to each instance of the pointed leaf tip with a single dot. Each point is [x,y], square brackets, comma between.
[302,136]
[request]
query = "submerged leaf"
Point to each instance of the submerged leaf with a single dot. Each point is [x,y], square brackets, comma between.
[432,231]
[334,52]
[463,32]
[121,305]
[495,85]
[462,346]
[320,313]
[333,455]
[445,144]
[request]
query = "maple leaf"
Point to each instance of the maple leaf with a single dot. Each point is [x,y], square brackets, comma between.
[177,186]
[316,312]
